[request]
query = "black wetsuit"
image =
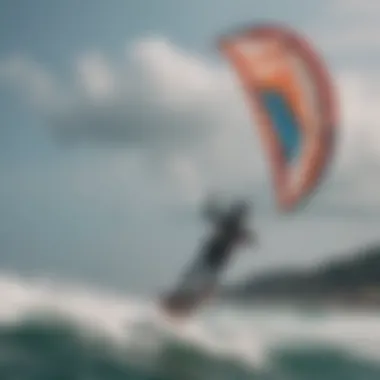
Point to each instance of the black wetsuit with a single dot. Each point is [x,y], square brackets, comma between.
[230,231]
[218,249]
[214,256]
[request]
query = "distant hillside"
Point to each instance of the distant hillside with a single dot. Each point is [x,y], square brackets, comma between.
[353,280]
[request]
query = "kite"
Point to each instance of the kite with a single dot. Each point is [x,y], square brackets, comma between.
[291,97]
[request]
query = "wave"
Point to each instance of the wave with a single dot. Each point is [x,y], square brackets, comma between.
[50,330]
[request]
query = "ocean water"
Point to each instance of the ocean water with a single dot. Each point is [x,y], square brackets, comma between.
[49,330]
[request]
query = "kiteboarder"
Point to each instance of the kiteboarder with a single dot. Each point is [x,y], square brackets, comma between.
[200,280]
[230,231]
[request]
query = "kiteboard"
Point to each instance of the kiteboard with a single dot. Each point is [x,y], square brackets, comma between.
[197,287]
[182,305]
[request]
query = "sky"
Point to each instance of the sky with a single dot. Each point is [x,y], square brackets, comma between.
[119,117]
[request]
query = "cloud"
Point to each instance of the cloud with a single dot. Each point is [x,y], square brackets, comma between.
[359,95]
[187,120]
[95,76]
[180,116]
[161,97]
[30,79]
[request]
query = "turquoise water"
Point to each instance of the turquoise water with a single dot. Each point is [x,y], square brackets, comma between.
[56,332]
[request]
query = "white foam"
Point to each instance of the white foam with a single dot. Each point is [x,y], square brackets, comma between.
[246,336]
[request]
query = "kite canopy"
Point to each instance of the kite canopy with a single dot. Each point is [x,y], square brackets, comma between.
[291,98]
